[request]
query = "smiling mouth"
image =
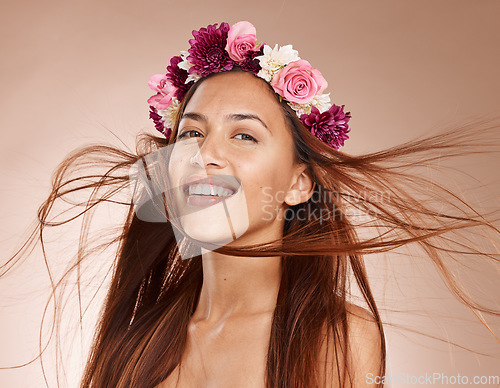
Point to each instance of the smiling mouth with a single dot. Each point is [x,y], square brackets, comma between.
[211,190]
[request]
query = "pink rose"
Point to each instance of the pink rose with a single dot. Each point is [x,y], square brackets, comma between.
[159,83]
[298,82]
[241,38]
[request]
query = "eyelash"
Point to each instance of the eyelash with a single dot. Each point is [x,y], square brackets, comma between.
[182,135]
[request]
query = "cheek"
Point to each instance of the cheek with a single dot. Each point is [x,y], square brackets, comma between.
[178,165]
[181,154]
[272,168]
[265,188]
[175,168]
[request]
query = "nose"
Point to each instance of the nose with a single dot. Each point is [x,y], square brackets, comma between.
[209,153]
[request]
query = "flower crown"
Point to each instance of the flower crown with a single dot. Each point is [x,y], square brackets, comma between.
[218,49]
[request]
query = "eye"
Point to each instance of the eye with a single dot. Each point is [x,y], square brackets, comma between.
[247,137]
[185,134]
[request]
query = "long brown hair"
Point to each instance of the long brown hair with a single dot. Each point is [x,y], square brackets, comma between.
[142,330]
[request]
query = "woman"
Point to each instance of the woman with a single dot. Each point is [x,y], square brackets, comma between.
[266,301]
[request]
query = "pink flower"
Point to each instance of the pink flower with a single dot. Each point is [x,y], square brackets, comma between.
[241,38]
[165,91]
[298,82]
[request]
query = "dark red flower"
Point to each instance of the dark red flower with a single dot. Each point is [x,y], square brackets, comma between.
[159,124]
[250,63]
[178,77]
[208,52]
[331,126]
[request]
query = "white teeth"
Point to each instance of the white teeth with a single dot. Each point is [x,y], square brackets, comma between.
[206,189]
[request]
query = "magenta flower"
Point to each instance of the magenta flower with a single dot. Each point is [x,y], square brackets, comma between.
[207,53]
[153,115]
[177,77]
[331,126]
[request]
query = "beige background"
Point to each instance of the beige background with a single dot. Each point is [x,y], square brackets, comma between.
[73,71]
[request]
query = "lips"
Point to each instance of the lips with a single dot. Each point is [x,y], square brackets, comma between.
[203,190]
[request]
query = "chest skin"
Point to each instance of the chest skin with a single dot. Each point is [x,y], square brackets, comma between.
[232,354]
[235,355]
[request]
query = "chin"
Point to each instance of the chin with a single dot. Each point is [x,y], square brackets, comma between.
[212,226]
[215,233]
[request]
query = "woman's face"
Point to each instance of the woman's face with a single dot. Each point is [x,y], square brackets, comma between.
[233,131]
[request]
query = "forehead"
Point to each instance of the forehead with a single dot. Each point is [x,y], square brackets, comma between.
[233,92]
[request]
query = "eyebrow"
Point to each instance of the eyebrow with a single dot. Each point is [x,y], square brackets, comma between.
[229,117]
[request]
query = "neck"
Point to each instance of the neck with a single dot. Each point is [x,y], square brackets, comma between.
[236,286]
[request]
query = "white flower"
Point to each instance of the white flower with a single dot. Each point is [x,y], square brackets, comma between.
[186,65]
[300,109]
[192,77]
[169,114]
[275,59]
[322,102]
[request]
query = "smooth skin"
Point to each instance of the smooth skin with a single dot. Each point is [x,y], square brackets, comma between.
[242,132]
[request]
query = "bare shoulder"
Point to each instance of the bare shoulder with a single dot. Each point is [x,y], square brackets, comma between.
[364,356]
[365,343]
[363,328]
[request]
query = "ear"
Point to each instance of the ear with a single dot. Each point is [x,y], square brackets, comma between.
[301,189]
